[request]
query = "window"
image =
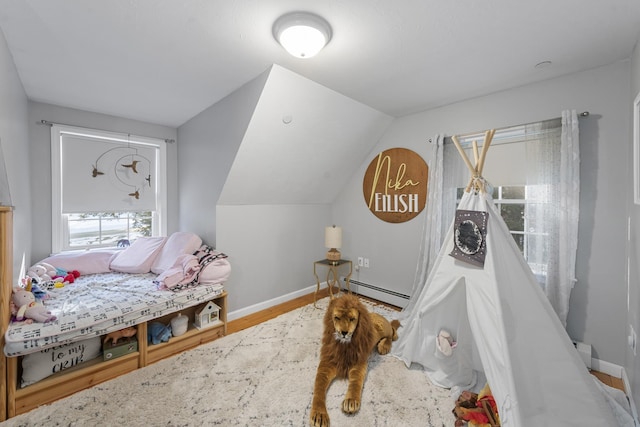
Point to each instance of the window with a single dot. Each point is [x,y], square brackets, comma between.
[516,204]
[522,167]
[107,187]
[541,161]
[86,230]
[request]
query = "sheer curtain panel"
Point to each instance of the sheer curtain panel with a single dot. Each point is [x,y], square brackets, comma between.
[432,226]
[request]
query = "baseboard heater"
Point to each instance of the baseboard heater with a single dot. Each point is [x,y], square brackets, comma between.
[377,289]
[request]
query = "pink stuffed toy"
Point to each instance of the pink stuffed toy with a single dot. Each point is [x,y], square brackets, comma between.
[24,306]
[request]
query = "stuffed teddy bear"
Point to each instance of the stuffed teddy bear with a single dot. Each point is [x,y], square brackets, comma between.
[25,307]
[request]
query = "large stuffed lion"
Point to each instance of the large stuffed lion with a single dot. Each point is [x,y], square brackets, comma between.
[350,334]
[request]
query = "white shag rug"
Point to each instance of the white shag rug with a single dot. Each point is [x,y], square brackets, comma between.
[262,376]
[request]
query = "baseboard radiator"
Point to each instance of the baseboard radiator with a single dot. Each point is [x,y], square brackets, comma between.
[376,288]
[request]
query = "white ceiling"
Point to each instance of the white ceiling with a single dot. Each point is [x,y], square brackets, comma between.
[164,61]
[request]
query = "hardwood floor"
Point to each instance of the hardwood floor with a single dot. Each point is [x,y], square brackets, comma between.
[264,315]
[609,380]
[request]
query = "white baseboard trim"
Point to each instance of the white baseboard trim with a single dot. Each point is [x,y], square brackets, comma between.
[237,314]
[606,368]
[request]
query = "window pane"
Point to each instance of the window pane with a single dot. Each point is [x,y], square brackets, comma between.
[513,215]
[107,228]
[83,232]
[513,193]
[519,239]
[114,229]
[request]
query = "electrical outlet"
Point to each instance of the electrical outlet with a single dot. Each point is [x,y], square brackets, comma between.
[360,261]
[366,262]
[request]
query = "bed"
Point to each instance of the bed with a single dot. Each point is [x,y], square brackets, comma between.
[150,282]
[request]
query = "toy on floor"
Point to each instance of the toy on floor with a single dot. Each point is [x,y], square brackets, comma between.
[476,409]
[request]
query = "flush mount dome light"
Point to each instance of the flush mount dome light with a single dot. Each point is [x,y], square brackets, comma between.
[302,34]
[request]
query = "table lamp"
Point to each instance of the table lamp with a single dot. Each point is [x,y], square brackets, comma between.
[333,241]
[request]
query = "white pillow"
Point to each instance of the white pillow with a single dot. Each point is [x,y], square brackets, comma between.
[40,365]
[86,262]
[138,257]
[179,243]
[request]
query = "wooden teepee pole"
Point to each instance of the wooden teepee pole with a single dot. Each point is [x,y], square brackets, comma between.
[476,171]
[488,136]
[472,169]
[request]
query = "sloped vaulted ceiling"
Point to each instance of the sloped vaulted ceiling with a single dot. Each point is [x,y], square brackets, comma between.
[303,143]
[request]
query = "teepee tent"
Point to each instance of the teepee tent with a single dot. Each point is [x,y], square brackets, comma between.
[484,295]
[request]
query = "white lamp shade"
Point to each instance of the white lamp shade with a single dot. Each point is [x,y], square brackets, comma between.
[333,237]
[302,34]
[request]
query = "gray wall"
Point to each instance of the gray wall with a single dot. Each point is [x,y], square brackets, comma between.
[271,249]
[632,364]
[208,144]
[14,138]
[597,314]
[277,151]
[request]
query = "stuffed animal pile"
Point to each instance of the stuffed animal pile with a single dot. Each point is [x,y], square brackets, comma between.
[476,409]
[49,276]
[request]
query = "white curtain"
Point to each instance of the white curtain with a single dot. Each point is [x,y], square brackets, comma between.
[553,184]
[432,229]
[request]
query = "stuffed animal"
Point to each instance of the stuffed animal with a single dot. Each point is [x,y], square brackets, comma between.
[42,272]
[122,333]
[157,333]
[46,273]
[67,276]
[478,410]
[24,306]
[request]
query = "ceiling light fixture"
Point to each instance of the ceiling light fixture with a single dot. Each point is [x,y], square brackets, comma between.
[302,34]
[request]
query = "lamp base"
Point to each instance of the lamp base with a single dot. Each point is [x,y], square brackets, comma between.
[333,255]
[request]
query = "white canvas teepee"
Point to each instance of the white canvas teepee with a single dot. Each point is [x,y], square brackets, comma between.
[506,331]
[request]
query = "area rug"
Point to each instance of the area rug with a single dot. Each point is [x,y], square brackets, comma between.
[262,376]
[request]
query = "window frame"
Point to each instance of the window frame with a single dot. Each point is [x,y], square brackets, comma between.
[59,220]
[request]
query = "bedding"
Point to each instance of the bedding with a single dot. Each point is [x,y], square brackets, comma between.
[179,243]
[139,257]
[87,262]
[100,303]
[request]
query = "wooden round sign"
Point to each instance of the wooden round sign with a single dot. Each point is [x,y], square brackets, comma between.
[395,185]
